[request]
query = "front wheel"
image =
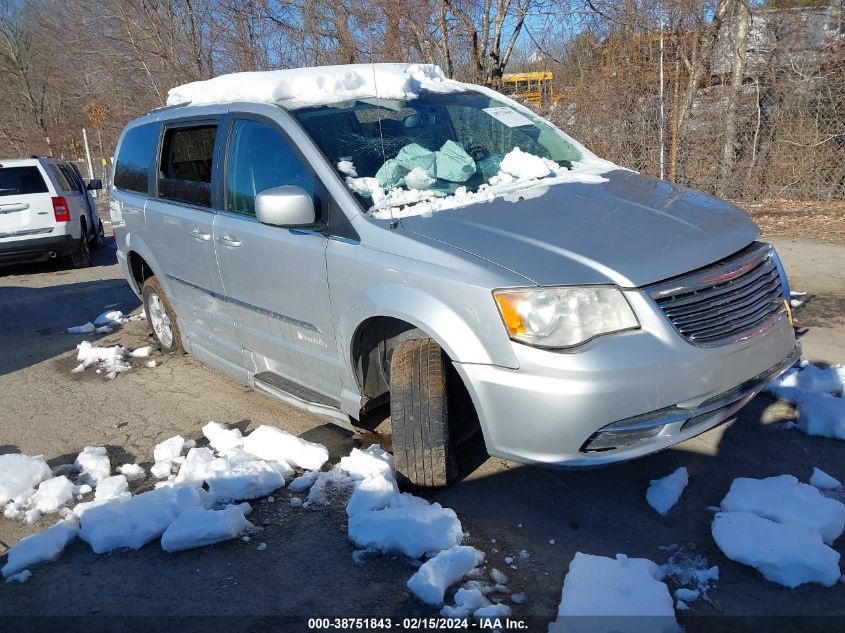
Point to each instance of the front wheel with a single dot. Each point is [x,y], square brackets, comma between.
[161,317]
[419,409]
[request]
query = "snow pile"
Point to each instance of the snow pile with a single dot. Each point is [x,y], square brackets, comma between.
[198,527]
[620,587]
[467,602]
[304,87]
[823,481]
[784,499]
[111,360]
[40,548]
[165,454]
[85,328]
[664,493]
[114,487]
[817,392]
[372,461]
[105,322]
[221,437]
[51,495]
[132,523]
[782,528]
[132,472]
[788,554]
[93,464]
[21,473]
[410,526]
[518,165]
[440,572]
[383,520]
[272,444]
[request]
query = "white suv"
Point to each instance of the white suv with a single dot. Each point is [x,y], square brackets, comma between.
[46,211]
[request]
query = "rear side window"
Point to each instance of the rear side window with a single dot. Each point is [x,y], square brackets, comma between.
[135,158]
[16,181]
[60,178]
[187,156]
[72,178]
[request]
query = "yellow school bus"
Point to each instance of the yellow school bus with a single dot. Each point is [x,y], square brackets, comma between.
[536,87]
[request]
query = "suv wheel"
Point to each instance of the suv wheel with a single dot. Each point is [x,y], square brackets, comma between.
[161,317]
[419,409]
[98,240]
[82,257]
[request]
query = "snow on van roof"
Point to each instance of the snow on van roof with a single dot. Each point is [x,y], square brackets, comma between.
[320,85]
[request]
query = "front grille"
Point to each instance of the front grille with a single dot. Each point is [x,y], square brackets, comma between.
[732,300]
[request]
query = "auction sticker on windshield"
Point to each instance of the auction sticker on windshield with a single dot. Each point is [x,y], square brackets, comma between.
[509,117]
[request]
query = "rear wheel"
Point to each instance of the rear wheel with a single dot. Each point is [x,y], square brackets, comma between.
[419,414]
[98,240]
[82,257]
[161,317]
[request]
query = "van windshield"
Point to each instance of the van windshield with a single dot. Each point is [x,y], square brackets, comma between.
[439,150]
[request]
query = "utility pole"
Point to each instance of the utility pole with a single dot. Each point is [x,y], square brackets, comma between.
[662,110]
[88,155]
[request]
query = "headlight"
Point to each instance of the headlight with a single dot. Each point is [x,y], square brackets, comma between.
[563,316]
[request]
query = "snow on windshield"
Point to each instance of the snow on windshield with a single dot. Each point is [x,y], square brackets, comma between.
[409,141]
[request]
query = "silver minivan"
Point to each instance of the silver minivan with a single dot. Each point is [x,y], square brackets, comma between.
[344,237]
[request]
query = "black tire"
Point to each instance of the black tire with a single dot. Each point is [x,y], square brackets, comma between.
[82,257]
[98,241]
[150,291]
[419,419]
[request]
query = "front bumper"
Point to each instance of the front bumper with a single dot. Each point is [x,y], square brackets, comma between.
[550,409]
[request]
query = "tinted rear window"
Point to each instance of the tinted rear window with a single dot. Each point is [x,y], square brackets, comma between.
[187,155]
[16,181]
[135,158]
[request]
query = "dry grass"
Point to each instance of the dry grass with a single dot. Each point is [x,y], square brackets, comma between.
[819,221]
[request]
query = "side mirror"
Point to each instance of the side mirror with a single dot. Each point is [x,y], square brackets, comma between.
[285,206]
[95,184]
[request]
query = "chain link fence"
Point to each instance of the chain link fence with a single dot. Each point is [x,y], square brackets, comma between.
[791,116]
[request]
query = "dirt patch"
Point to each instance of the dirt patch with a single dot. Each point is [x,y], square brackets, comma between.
[818,221]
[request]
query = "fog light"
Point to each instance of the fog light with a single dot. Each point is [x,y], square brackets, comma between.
[608,439]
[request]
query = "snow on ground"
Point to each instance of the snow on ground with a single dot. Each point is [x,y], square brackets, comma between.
[93,464]
[105,322]
[782,528]
[132,472]
[198,527]
[817,392]
[40,548]
[784,499]
[189,508]
[788,554]
[689,572]
[441,571]
[622,587]
[823,481]
[664,493]
[272,444]
[132,523]
[20,473]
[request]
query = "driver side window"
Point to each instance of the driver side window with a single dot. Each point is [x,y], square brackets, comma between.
[260,158]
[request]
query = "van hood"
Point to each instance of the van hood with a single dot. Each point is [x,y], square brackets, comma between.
[631,230]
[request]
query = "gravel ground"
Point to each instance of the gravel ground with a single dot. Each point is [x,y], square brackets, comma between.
[307,568]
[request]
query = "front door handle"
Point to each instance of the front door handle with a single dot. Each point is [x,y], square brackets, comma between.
[228,240]
[200,236]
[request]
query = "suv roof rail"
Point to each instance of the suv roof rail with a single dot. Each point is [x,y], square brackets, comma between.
[170,107]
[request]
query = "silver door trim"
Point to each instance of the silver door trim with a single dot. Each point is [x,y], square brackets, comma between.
[249,306]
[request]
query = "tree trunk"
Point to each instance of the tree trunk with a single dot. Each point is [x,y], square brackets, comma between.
[739,56]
